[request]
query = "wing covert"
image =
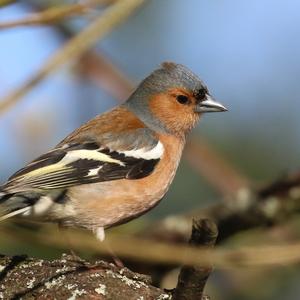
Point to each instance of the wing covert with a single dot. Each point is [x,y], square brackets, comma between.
[83,163]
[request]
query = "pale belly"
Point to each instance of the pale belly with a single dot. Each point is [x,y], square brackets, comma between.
[111,203]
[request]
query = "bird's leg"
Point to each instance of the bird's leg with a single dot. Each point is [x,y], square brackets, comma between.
[117,261]
[100,235]
[75,257]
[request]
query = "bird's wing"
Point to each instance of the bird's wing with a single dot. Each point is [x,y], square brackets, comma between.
[90,162]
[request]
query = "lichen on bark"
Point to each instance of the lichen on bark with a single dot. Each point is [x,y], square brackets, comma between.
[64,278]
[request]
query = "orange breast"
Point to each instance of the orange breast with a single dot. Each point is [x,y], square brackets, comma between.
[113,202]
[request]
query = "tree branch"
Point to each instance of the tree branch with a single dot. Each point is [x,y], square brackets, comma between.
[192,280]
[6,2]
[247,209]
[213,167]
[105,74]
[65,278]
[75,47]
[52,15]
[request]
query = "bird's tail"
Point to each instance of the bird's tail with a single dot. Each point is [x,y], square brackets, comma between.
[12,205]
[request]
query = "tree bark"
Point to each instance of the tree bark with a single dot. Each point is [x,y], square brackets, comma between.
[32,278]
[67,278]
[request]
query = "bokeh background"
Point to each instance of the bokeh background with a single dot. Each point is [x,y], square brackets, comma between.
[247,52]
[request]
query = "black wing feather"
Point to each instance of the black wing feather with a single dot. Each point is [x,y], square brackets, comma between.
[77,172]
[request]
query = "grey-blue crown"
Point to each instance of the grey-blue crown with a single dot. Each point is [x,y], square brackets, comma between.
[171,75]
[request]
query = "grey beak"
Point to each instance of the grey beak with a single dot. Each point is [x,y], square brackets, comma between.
[209,105]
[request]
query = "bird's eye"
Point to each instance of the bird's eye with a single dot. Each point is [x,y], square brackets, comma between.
[182,99]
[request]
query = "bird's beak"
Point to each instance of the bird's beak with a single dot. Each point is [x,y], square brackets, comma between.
[209,105]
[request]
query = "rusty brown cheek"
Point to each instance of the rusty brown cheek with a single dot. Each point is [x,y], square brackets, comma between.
[176,117]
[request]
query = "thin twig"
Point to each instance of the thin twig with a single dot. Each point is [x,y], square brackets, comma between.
[6,2]
[53,14]
[112,17]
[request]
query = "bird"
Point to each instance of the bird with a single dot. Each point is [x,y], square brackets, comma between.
[117,166]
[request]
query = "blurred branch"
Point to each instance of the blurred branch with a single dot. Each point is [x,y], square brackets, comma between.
[106,75]
[142,250]
[192,280]
[208,163]
[286,186]
[247,209]
[6,2]
[112,17]
[52,15]
[164,253]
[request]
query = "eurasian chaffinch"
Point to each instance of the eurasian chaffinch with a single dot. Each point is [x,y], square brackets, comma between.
[118,165]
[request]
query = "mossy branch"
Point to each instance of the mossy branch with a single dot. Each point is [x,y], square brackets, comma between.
[65,278]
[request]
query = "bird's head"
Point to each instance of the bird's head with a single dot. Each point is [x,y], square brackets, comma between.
[171,99]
